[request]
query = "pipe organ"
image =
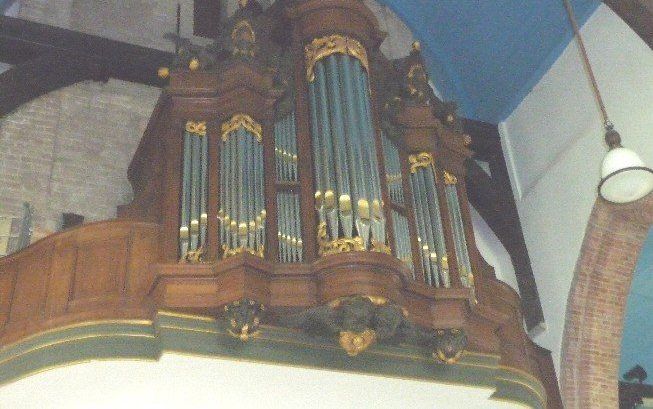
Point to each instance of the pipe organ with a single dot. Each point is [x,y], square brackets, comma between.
[315,174]
[292,176]
[373,181]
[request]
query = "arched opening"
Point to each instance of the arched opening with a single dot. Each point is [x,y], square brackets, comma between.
[597,302]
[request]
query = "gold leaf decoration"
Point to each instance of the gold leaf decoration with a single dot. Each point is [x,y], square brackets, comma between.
[420,160]
[242,121]
[334,44]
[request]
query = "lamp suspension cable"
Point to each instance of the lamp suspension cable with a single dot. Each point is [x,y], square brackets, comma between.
[586,63]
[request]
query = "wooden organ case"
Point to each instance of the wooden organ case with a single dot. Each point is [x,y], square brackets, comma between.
[290,176]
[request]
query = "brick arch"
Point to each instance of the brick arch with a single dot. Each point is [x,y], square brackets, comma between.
[591,343]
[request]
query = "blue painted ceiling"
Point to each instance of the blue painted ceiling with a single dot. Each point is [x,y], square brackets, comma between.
[488,54]
[637,341]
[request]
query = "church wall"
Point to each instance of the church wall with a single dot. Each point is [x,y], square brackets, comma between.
[554,144]
[68,151]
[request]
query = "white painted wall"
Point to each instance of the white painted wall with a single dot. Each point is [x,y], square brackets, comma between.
[492,250]
[192,382]
[554,145]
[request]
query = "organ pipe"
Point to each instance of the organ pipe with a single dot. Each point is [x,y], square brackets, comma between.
[242,210]
[433,252]
[393,170]
[290,241]
[348,188]
[402,240]
[285,149]
[460,242]
[193,217]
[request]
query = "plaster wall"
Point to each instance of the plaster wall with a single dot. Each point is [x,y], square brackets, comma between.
[553,141]
[193,382]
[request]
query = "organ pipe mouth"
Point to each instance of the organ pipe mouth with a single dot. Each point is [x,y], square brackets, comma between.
[345,203]
[183,232]
[194,226]
[363,209]
[329,199]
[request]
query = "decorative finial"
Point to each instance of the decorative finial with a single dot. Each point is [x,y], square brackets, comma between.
[417,46]
[194,64]
[163,72]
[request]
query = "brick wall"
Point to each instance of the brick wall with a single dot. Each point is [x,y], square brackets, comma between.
[68,151]
[597,302]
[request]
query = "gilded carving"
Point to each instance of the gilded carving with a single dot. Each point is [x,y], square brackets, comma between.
[344,244]
[244,317]
[231,252]
[244,39]
[356,342]
[244,121]
[334,44]
[450,345]
[193,256]
[420,160]
[197,128]
[417,81]
[450,179]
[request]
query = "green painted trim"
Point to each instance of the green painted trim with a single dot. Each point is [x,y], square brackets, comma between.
[203,336]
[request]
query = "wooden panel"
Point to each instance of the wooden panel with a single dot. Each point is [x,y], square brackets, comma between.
[100,270]
[64,259]
[143,254]
[28,299]
[6,290]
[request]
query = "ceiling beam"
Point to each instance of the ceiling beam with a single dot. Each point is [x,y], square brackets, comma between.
[638,14]
[31,79]
[22,40]
[492,196]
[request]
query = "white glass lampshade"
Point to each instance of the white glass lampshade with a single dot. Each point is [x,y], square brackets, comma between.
[624,177]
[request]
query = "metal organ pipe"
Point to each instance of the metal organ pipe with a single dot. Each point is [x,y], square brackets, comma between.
[346,166]
[433,250]
[193,217]
[242,212]
[288,214]
[462,254]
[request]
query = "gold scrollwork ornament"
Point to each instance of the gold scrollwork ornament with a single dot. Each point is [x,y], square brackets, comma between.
[242,121]
[323,47]
[420,160]
[231,252]
[197,128]
[345,245]
[356,342]
[450,179]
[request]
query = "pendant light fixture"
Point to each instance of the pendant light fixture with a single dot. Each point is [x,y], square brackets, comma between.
[624,177]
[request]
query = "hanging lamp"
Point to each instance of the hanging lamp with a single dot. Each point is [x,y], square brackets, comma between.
[624,176]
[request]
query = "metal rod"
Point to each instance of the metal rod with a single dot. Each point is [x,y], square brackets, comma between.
[586,61]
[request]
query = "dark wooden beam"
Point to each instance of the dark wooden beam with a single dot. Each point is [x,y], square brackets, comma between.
[36,77]
[207,18]
[492,196]
[638,14]
[22,40]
